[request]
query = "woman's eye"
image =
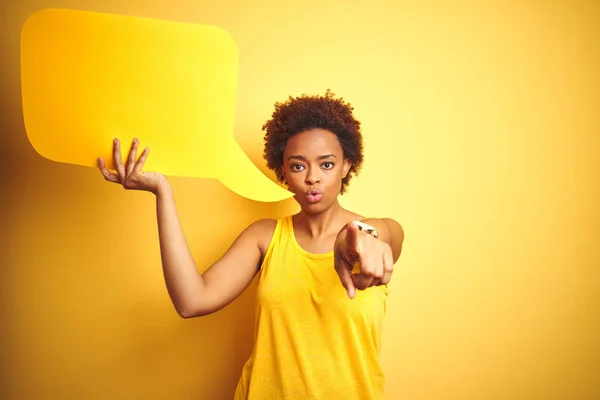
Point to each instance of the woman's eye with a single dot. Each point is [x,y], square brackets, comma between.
[296,167]
[328,165]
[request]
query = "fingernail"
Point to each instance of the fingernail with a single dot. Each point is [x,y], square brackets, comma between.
[135,140]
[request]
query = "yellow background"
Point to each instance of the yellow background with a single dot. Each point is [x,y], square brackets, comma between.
[482,135]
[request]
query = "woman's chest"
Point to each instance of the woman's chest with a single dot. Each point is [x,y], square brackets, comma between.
[298,285]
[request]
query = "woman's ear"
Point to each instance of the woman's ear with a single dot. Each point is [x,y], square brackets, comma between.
[346,167]
[282,171]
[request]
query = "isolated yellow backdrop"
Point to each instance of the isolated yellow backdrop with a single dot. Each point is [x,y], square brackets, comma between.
[481,129]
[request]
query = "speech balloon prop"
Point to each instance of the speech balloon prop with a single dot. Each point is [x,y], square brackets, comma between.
[89,77]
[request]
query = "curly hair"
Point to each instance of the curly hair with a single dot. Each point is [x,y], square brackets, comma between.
[305,112]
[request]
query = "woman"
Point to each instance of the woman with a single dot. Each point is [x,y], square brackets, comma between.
[323,272]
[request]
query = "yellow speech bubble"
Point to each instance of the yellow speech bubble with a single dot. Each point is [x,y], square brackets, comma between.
[89,77]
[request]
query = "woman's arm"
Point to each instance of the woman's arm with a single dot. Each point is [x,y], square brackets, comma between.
[194,294]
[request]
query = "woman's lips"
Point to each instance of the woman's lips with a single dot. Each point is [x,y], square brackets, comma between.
[314,196]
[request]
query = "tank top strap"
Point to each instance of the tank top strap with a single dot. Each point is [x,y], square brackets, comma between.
[286,227]
[280,237]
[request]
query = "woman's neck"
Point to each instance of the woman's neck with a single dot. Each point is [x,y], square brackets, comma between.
[322,224]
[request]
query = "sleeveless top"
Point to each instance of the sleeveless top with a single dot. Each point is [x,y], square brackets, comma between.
[311,340]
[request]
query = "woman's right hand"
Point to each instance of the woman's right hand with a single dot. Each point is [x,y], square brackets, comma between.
[131,175]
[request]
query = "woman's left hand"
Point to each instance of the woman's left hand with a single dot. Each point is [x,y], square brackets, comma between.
[374,255]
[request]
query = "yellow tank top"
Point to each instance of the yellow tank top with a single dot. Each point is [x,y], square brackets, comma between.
[311,340]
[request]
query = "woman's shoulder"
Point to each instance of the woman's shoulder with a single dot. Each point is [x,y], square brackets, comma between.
[263,227]
[263,230]
[352,216]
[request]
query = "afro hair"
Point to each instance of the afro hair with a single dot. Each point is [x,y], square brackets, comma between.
[306,112]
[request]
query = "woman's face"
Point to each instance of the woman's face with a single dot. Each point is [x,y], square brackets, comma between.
[313,167]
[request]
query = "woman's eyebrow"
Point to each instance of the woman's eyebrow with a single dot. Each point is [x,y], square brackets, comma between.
[299,157]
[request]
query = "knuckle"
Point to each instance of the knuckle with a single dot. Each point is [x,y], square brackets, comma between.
[368,272]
